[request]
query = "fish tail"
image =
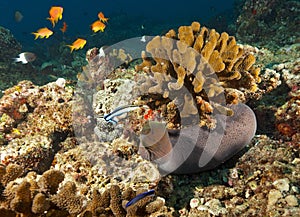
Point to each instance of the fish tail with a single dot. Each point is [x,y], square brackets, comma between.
[51,20]
[71,47]
[36,35]
[17,59]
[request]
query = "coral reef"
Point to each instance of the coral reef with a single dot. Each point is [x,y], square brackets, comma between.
[10,47]
[255,186]
[260,19]
[38,194]
[34,120]
[44,172]
[287,116]
[179,59]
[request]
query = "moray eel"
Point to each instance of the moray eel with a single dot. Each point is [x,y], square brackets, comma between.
[195,149]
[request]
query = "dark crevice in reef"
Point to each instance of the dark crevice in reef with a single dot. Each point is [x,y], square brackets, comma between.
[266,107]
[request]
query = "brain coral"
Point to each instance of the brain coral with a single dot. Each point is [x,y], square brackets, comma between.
[176,56]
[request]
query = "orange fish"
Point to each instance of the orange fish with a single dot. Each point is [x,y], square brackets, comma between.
[78,44]
[55,13]
[64,27]
[98,26]
[42,33]
[102,17]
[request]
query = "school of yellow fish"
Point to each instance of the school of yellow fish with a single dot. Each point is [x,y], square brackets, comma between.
[56,14]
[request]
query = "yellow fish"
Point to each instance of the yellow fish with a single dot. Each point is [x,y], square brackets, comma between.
[55,13]
[42,33]
[102,17]
[77,44]
[98,26]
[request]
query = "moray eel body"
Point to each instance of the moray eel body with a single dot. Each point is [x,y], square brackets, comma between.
[195,149]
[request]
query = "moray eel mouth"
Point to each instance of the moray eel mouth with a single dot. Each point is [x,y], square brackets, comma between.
[195,149]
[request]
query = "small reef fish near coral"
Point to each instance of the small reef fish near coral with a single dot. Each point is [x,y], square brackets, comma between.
[42,33]
[98,26]
[112,117]
[55,13]
[25,57]
[102,18]
[64,27]
[77,44]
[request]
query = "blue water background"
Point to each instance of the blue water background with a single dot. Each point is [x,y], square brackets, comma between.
[80,14]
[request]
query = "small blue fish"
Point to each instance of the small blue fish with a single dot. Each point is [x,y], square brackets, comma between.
[139,197]
[111,117]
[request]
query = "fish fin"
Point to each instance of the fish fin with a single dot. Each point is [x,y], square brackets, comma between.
[16,59]
[19,59]
[71,47]
[36,35]
[51,20]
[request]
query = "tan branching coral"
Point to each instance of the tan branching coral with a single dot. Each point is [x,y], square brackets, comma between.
[116,201]
[10,173]
[40,203]
[50,180]
[201,60]
[68,199]
[22,198]
[34,195]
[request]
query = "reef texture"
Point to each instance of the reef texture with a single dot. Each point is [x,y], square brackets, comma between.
[34,120]
[42,168]
[260,19]
[51,193]
[176,56]
[10,47]
[44,172]
[287,116]
[270,183]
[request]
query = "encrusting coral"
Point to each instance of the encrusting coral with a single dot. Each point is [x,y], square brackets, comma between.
[176,56]
[287,116]
[33,121]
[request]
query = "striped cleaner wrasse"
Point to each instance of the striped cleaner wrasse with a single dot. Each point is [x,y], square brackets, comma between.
[112,117]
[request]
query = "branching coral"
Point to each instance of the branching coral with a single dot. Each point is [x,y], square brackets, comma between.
[34,195]
[67,198]
[50,181]
[203,61]
[10,173]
